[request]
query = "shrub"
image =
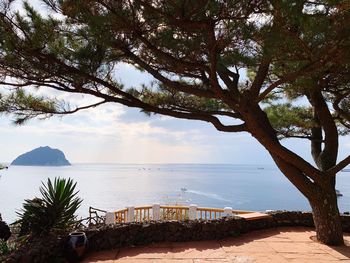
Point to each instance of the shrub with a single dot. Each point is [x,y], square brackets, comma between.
[53,211]
[6,248]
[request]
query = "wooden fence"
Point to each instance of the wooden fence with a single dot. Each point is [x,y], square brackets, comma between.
[172,212]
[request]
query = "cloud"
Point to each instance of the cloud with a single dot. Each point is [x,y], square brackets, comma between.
[102,121]
[103,127]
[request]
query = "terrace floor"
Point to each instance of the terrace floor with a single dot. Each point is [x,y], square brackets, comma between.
[283,244]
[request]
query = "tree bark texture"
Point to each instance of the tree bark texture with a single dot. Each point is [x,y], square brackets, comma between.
[318,188]
[326,217]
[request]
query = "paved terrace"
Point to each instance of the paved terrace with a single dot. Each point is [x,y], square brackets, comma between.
[272,245]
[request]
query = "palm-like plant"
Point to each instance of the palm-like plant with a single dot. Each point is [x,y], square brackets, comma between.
[54,211]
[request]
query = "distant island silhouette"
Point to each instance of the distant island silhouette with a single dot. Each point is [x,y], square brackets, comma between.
[42,156]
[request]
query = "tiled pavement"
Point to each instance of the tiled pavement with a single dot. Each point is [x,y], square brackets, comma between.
[273,245]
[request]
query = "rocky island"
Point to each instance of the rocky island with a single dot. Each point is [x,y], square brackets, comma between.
[42,156]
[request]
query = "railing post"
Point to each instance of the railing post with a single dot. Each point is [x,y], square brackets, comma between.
[192,212]
[89,215]
[110,218]
[227,212]
[131,214]
[156,212]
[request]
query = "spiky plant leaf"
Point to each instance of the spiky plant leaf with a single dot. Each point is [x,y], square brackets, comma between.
[53,211]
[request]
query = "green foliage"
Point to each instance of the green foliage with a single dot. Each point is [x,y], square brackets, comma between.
[80,49]
[167,99]
[53,211]
[26,106]
[6,248]
[289,120]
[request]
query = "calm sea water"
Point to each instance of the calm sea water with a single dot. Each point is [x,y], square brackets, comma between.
[112,187]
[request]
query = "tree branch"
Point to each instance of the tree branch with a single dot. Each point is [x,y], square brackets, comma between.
[295,176]
[340,166]
[294,75]
[212,49]
[82,108]
[260,77]
[328,156]
[231,84]
[194,90]
[136,103]
[177,114]
[316,143]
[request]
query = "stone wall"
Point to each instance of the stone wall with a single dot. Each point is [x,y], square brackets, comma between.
[292,218]
[51,249]
[133,234]
[114,236]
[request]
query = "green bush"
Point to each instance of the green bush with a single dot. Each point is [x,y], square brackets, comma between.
[5,248]
[53,211]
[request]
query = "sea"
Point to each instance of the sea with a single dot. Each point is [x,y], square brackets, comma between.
[115,186]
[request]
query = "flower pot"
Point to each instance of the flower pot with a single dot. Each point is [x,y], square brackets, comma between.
[77,246]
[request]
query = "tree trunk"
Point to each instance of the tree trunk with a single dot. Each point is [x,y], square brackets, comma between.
[326,217]
[319,189]
[323,201]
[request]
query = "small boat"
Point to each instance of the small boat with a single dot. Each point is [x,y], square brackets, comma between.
[183,189]
[338,193]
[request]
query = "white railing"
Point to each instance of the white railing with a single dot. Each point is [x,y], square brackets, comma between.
[175,212]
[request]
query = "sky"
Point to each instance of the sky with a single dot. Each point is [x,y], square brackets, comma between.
[116,134]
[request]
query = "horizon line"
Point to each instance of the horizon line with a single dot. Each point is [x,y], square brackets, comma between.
[159,163]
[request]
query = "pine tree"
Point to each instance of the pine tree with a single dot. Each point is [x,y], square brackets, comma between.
[295,54]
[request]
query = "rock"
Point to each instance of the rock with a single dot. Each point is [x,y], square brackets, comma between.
[42,156]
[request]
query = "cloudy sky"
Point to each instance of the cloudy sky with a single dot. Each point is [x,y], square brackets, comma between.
[117,134]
